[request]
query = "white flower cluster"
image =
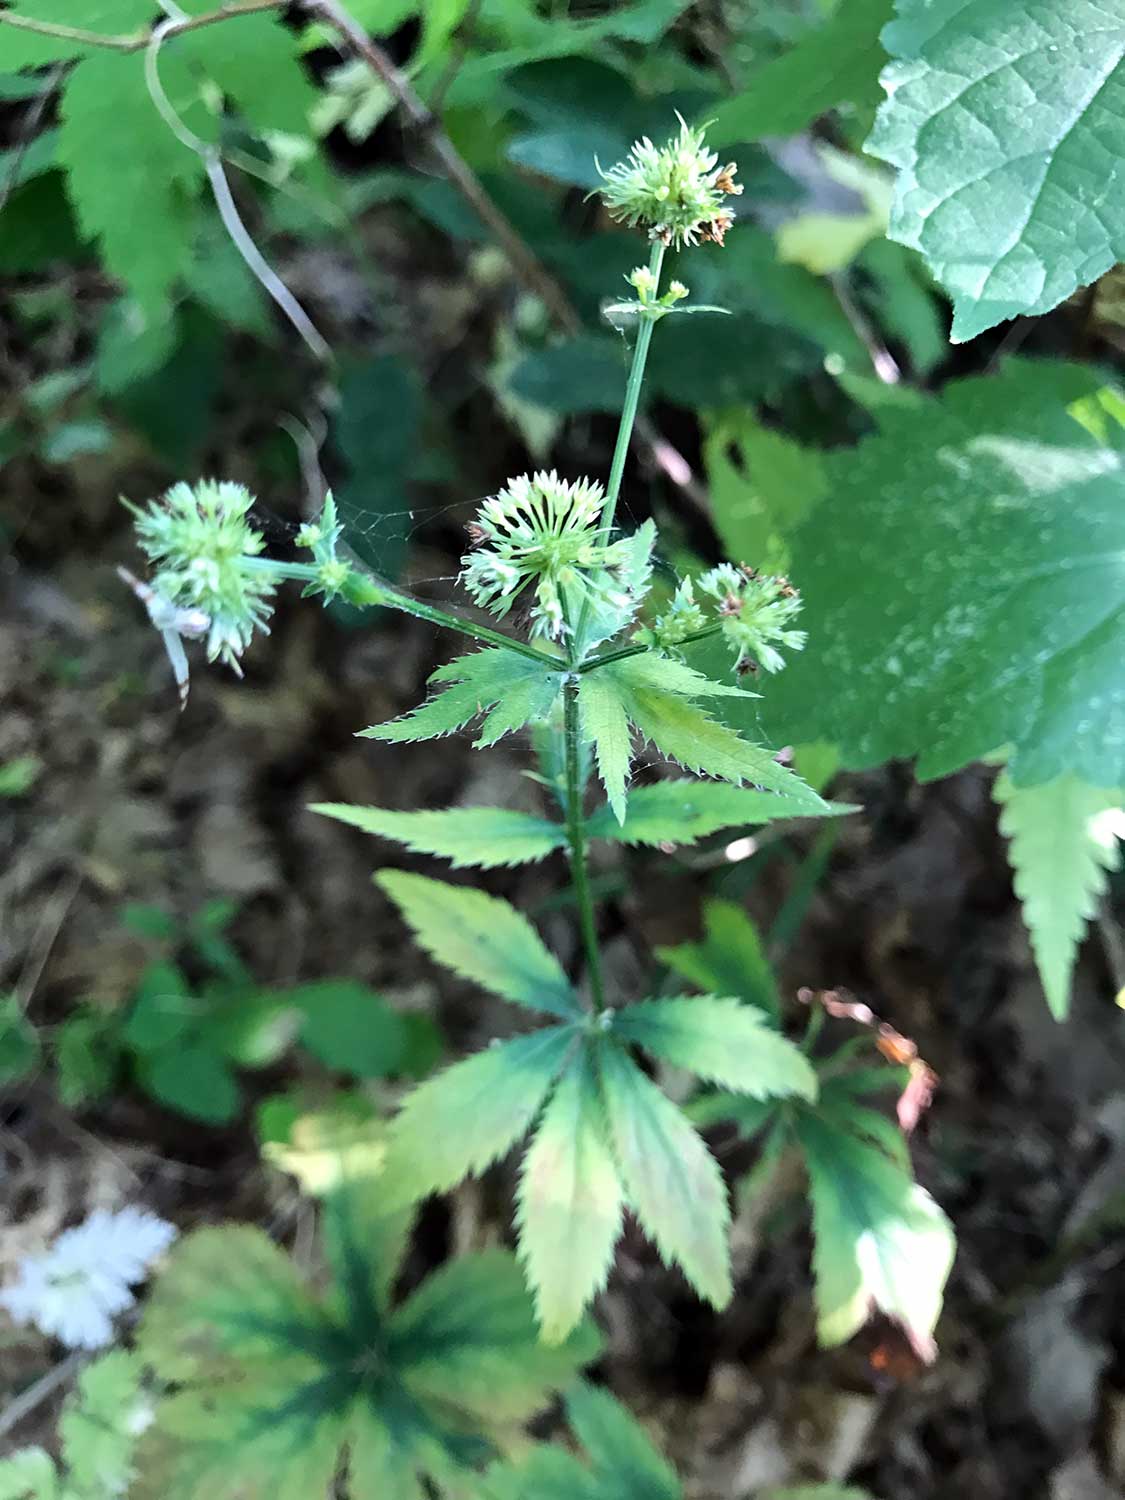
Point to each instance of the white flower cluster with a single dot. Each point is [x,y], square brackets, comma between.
[75,1290]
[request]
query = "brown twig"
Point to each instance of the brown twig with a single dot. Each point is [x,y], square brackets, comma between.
[135,41]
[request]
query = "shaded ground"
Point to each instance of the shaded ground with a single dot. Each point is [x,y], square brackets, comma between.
[1024,1146]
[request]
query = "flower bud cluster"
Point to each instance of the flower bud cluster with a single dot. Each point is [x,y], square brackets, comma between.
[199,541]
[677,191]
[755,612]
[681,619]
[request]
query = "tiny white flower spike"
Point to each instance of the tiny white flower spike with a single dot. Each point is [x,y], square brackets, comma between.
[75,1289]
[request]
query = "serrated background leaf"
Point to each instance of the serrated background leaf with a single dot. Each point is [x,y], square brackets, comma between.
[1061,849]
[619,1448]
[466,1117]
[570,1202]
[671,1179]
[721,1041]
[1007,125]
[485,837]
[729,961]
[126,169]
[483,939]
[964,592]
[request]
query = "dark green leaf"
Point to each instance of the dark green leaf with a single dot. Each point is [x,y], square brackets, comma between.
[836,63]
[729,961]
[989,610]
[350,1027]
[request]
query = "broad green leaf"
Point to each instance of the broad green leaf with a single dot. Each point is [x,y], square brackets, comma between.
[276,1389]
[193,1079]
[729,961]
[605,726]
[671,1180]
[619,1448]
[29,1474]
[580,374]
[19,1042]
[1063,842]
[350,1027]
[818,1492]
[100,1426]
[687,735]
[570,1202]
[483,939]
[1006,123]
[881,1241]
[469,1337]
[486,837]
[990,610]
[125,168]
[465,1118]
[30,49]
[525,690]
[682,811]
[836,63]
[720,1040]
[254,61]
[545,1472]
[762,484]
[88,1054]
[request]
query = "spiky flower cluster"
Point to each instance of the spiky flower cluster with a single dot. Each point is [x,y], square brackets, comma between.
[199,540]
[543,534]
[677,191]
[755,613]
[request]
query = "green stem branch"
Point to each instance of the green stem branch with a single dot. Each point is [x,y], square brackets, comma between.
[576,840]
[136,41]
[624,652]
[366,591]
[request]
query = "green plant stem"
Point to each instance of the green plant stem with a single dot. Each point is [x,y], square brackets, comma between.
[625,427]
[576,839]
[371,592]
[624,652]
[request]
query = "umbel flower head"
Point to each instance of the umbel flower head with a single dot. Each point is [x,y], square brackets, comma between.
[677,191]
[543,534]
[756,614]
[198,539]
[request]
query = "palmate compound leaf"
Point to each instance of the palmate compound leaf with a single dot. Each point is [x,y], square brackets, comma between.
[977,601]
[1007,126]
[1063,843]
[469,1115]
[570,1201]
[509,690]
[485,837]
[655,694]
[483,939]
[880,1239]
[275,1388]
[720,1040]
